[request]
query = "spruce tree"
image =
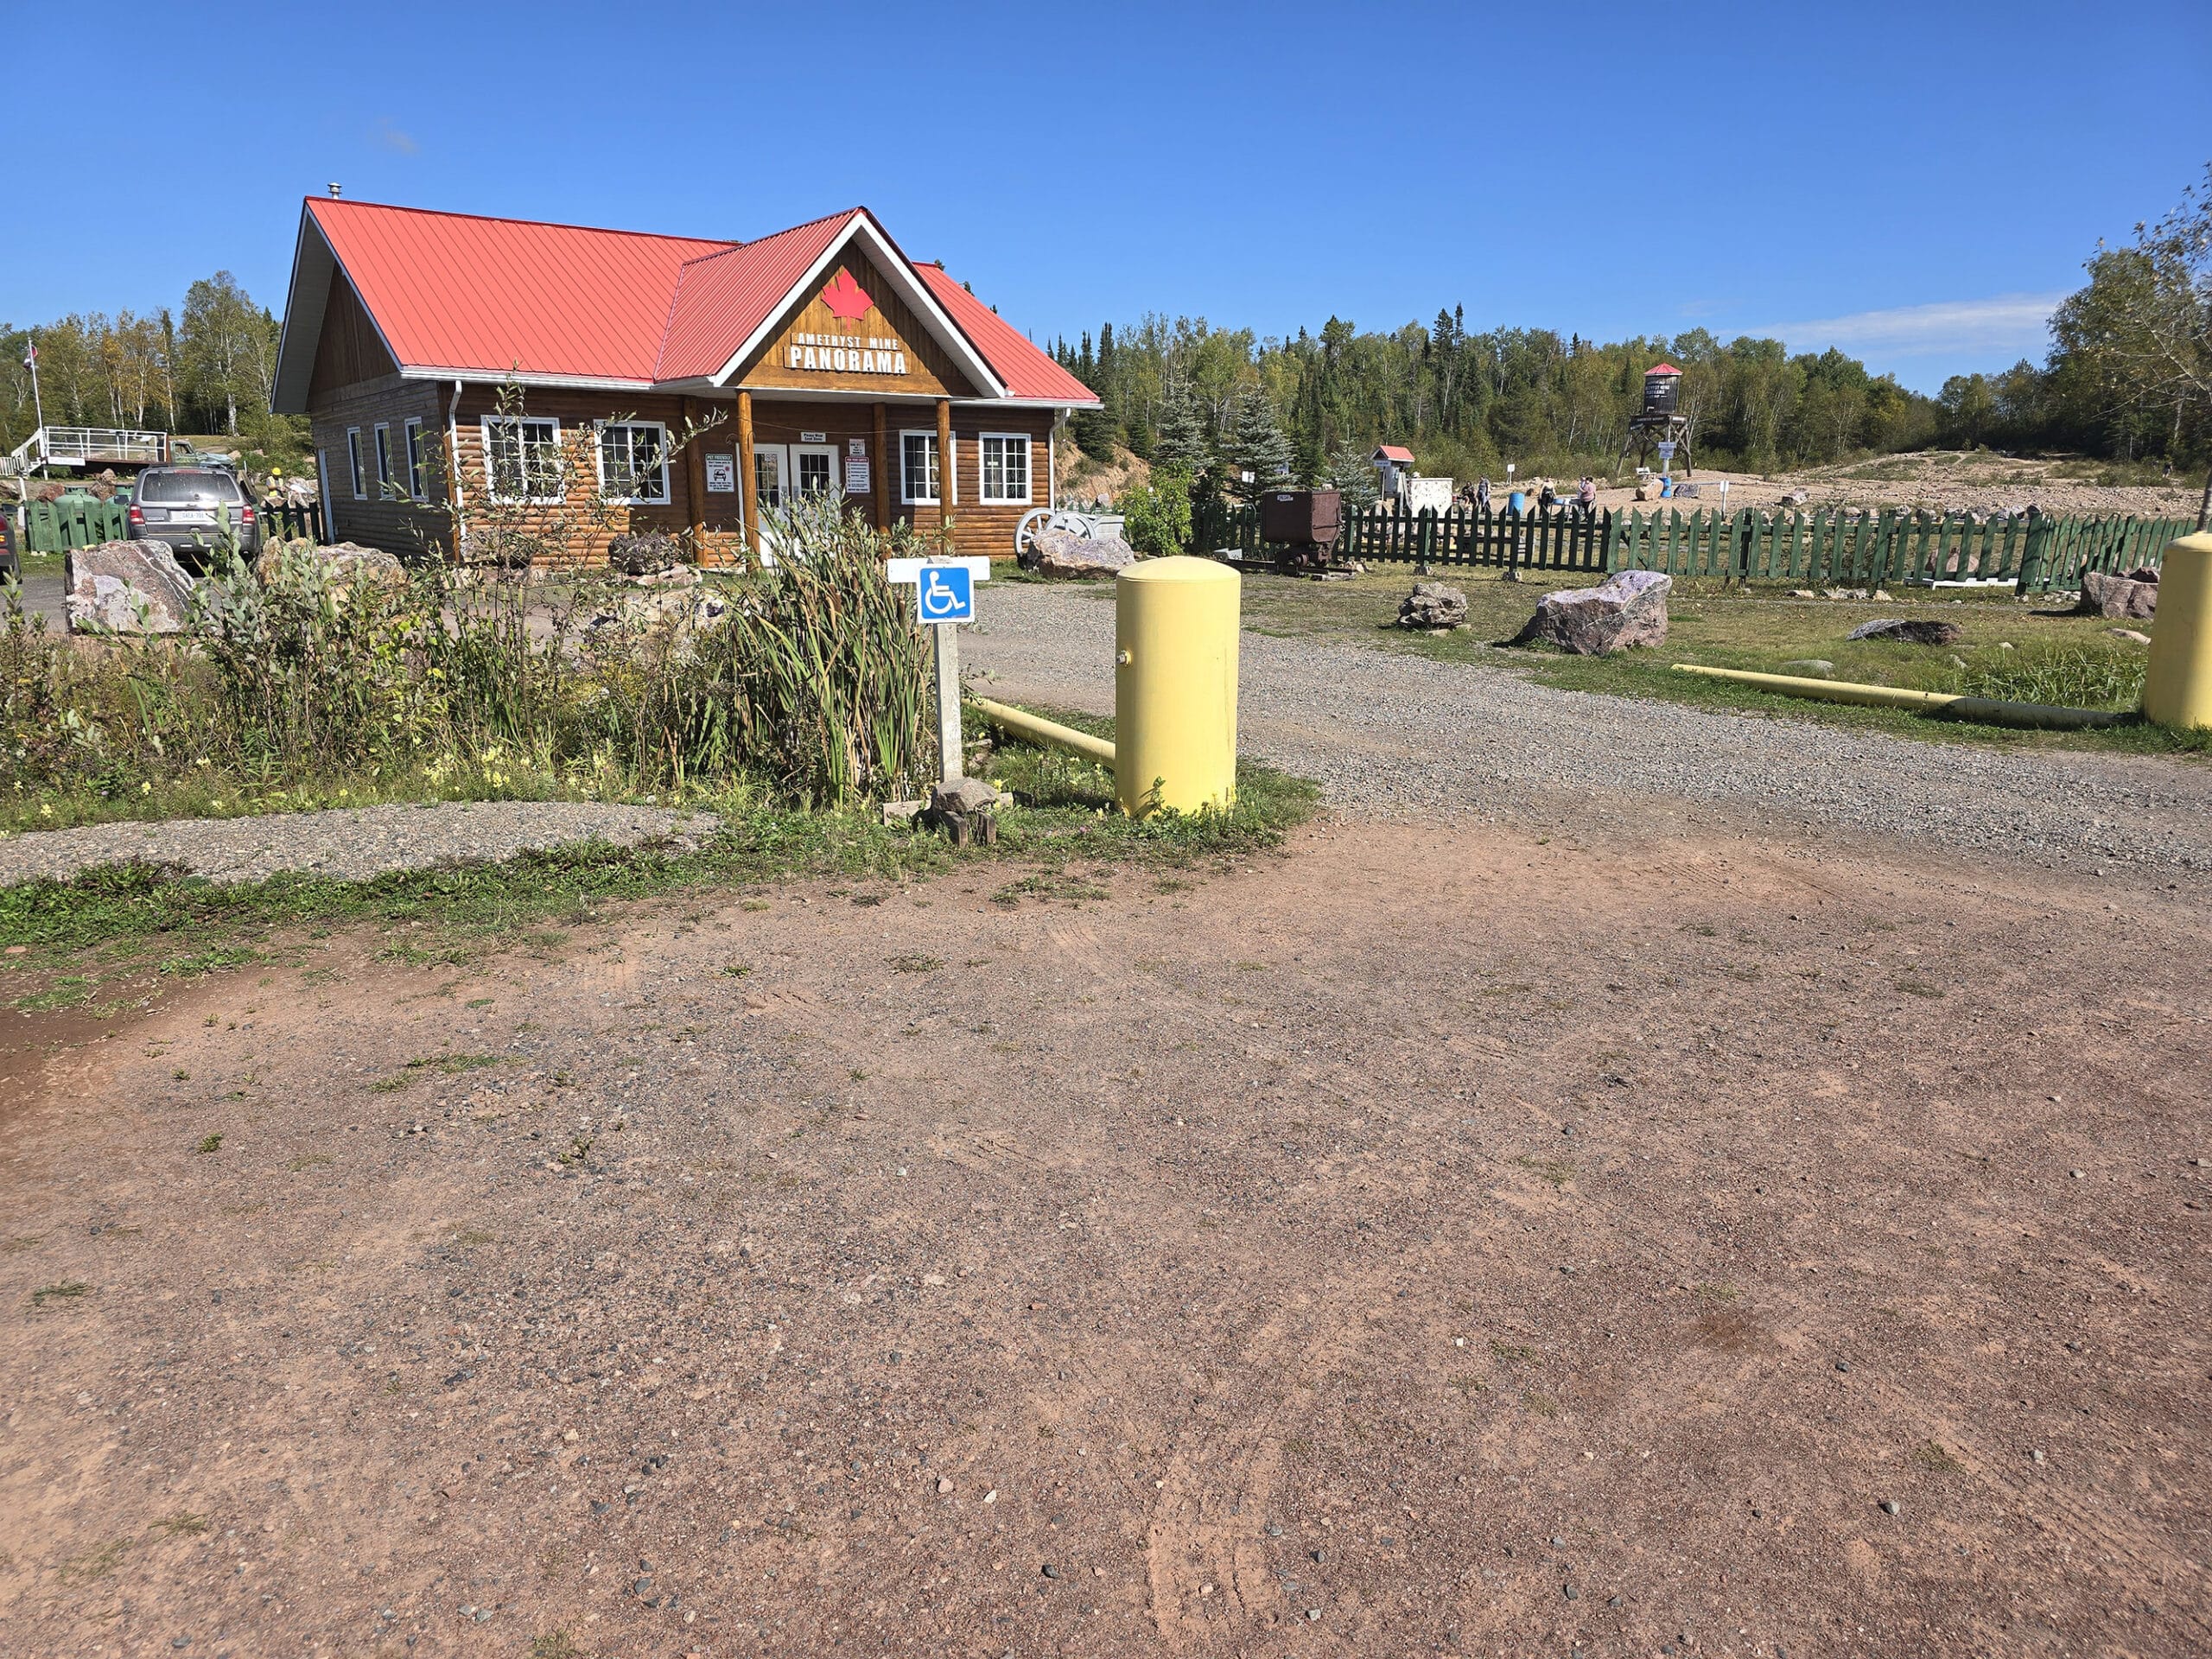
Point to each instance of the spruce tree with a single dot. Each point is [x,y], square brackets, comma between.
[1255,447]
[1181,438]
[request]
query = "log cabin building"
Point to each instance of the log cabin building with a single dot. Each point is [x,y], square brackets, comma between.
[820,359]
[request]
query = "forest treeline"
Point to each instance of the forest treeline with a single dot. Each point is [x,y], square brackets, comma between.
[210,366]
[2124,379]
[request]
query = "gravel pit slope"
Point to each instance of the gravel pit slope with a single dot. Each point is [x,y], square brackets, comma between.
[1436,1237]
[1388,729]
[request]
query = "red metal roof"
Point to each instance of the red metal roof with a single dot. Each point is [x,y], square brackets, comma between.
[1663,368]
[1026,371]
[495,296]
[501,295]
[721,299]
[1393,452]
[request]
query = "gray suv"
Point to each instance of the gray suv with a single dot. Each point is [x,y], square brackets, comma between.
[187,508]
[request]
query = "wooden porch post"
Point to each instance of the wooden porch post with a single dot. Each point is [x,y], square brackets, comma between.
[748,489]
[882,471]
[946,488]
[695,481]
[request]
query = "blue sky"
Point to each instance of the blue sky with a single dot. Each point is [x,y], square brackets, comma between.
[1914,183]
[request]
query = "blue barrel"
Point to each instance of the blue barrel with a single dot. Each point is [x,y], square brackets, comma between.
[1517,502]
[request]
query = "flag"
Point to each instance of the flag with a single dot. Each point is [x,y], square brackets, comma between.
[30,355]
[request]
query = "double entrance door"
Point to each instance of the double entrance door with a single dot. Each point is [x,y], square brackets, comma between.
[783,472]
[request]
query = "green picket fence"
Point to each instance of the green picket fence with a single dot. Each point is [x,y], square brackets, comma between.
[2035,552]
[73,521]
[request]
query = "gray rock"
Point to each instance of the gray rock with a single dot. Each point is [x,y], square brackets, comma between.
[2119,598]
[126,587]
[1432,607]
[1810,666]
[1621,612]
[1911,630]
[1064,553]
[963,795]
[644,553]
[2134,635]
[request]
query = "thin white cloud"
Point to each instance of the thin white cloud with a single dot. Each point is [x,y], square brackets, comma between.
[393,139]
[2017,324]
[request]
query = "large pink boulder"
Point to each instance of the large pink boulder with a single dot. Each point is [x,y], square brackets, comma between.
[126,587]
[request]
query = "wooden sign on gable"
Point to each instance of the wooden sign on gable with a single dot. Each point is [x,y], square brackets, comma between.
[855,334]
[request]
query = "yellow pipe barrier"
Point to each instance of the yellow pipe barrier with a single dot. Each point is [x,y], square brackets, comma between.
[1953,705]
[2177,689]
[1175,626]
[1040,730]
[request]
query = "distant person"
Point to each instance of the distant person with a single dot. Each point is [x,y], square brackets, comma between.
[1482,494]
[1546,497]
[1585,496]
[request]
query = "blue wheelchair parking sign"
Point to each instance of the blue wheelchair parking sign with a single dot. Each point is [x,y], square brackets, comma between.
[946,594]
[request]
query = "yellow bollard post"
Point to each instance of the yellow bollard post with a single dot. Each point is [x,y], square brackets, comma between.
[2177,687]
[1175,624]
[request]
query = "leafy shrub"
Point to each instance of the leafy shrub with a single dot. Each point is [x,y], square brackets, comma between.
[1159,516]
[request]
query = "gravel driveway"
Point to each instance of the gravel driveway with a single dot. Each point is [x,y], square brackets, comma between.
[352,844]
[1388,729]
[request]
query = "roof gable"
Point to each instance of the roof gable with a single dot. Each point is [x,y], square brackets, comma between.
[454,295]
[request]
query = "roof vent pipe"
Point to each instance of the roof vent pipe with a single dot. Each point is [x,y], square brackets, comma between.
[333,190]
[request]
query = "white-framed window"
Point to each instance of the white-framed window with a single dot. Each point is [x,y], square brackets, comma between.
[633,462]
[522,458]
[1005,467]
[353,463]
[418,460]
[918,471]
[384,461]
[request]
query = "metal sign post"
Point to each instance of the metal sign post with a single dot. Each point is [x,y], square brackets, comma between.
[944,597]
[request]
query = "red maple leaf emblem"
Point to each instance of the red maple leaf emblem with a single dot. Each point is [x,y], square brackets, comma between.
[847,300]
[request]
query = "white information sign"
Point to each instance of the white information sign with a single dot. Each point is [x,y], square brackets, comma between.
[856,446]
[813,437]
[856,475]
[722,475]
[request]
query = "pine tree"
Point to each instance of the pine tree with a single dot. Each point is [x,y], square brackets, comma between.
[1257,453]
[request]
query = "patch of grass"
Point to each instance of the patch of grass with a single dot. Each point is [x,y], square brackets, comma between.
[183,1524]
[89,1565]
[1558,1171]
[1542,1404]
[1932,1455]
[481,1002]
[391,1085]
[209,1143]
[210,961]
[1510,1350]
[554,1645]
[69,991]
[68,1290]
[452,915]
[736,970]
[1919,987]
[313,1161]
[453,1065]
[915,964]
[472,1235]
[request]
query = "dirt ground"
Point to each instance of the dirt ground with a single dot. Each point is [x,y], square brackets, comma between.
[1441,1238]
